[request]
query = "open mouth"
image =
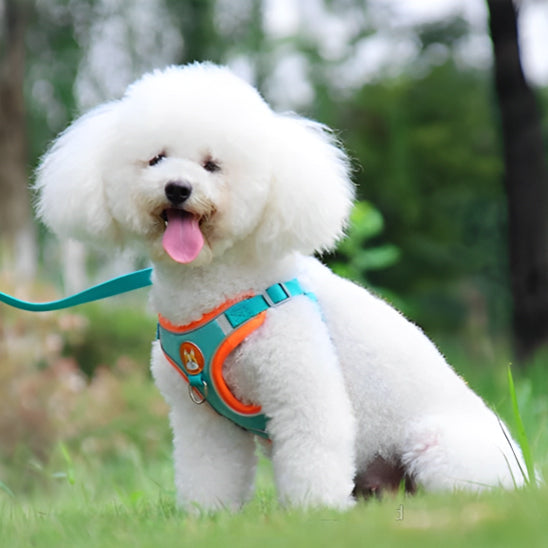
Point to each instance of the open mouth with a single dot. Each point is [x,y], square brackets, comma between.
[183,239]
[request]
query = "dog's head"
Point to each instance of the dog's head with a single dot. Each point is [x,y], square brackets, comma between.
[192,162]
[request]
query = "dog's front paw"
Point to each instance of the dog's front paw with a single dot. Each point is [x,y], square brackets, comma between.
[326,483]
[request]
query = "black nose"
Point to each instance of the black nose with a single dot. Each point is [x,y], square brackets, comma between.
[178,192]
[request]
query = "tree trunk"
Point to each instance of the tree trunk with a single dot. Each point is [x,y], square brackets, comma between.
[526,181]
[17,241]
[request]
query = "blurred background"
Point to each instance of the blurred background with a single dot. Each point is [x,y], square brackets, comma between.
[442,107]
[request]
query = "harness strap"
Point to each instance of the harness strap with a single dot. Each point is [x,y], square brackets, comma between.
[198,350]
[273,296]
[116,286]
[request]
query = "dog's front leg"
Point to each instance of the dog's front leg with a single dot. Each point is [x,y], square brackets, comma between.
[301,389]
[214,460]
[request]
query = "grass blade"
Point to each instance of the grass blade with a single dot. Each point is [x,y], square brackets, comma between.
[69,475]
[6,489]
[520,432]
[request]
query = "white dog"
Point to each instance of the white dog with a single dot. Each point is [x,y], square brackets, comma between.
[229,199]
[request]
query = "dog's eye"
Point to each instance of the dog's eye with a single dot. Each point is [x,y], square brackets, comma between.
[211,165]
[158,158]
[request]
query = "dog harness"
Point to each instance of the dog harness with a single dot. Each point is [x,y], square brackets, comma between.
[198,350]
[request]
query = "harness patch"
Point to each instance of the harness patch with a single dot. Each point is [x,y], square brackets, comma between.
[191,358]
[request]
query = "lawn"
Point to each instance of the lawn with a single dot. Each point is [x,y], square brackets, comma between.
[134,507]
[85,457]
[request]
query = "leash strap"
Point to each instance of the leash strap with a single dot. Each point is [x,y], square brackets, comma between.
[116,286]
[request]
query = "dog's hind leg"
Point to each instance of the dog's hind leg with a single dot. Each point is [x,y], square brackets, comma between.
[460,451]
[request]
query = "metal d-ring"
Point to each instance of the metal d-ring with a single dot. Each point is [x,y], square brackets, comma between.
[198,400]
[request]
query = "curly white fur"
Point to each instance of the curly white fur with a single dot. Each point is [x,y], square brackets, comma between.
[342,388]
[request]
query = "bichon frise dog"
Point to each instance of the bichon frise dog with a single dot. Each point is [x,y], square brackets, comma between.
[231,201]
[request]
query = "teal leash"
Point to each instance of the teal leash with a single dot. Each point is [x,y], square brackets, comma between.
[116,286]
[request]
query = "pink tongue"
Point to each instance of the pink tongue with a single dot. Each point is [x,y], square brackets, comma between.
[182,239]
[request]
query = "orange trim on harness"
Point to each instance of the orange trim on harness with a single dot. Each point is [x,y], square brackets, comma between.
[228,345]
[205,318]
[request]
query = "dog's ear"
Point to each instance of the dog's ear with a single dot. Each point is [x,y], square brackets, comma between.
[69,180]
[311,193]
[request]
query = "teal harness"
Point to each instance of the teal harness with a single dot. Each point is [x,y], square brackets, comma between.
[197,351]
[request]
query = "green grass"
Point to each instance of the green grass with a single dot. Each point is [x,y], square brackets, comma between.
[135,508]
[521,434]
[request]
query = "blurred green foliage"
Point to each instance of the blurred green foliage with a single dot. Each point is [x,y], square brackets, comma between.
[355,256]
[431,166]
[111,332]
[428,143]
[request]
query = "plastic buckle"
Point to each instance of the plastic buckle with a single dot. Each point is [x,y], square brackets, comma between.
[270,302]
